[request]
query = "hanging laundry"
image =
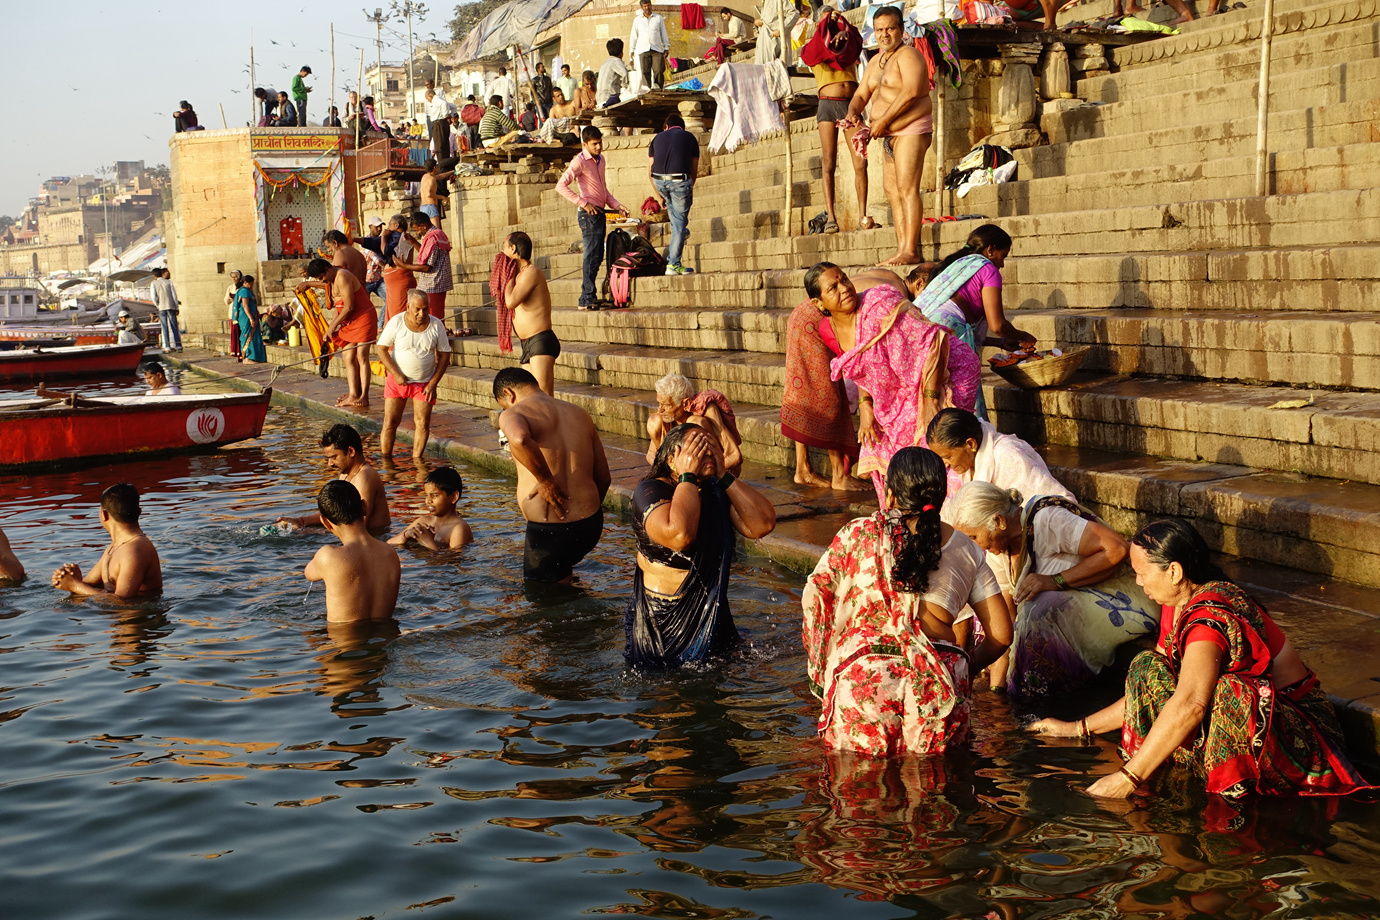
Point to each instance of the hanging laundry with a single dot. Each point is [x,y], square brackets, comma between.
[778,80]
[504,270]
[691,16]
[745,110]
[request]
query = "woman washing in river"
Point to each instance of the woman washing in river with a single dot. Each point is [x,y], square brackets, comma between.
[906,367]
[1223,693]
[963,294]
[885,632]
[1063,572]
[684,515]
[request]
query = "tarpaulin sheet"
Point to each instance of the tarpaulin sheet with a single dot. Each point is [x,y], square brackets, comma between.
[515,23]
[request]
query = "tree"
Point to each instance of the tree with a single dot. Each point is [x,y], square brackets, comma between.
[7,221]
[469,15]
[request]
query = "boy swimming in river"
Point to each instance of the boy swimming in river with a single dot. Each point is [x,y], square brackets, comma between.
[129,567]
[442,527]
[362,573]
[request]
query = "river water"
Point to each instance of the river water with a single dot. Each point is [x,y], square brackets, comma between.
[218,753]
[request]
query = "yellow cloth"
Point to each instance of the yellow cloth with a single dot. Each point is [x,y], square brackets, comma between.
[824,75]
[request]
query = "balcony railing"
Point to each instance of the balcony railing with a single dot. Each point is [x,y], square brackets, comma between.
[383,157]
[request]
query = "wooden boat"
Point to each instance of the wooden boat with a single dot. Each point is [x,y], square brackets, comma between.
[48,431]
[80,335]
[25,364]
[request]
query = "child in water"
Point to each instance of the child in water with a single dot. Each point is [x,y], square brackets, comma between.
[442,528]
[361,574]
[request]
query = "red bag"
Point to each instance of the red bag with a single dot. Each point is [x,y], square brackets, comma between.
[836,42]
[471,114]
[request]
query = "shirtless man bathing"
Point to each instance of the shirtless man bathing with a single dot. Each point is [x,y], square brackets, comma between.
[896,82]
[362,573]
[129,567]
[563,475]
[345,453]
[355,324]
[530,301]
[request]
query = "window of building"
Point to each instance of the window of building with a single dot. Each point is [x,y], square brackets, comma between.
[28,298]
[392,86]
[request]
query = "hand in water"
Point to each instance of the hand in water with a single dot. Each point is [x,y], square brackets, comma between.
[1054,728]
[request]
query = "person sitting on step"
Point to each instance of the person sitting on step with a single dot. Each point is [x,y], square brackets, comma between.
[677,403]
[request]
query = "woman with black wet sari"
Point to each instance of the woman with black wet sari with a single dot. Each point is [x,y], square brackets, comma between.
[684,515]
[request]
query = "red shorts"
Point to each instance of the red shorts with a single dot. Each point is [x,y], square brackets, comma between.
[392,390]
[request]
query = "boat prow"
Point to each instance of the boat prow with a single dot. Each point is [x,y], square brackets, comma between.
[52,431]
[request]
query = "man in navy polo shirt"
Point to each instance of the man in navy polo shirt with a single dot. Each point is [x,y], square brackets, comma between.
[674,161]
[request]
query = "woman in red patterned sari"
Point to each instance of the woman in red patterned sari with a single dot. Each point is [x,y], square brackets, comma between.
[1224,692]
[885,630]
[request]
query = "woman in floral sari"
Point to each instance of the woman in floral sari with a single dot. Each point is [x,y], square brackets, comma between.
[1075,599]
[963,294]
[1224,692]
[885,629]
[906,368]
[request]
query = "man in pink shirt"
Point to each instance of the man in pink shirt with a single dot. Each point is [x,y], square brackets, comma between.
[593,200]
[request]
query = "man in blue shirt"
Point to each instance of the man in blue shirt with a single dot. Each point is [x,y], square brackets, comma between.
[672,165]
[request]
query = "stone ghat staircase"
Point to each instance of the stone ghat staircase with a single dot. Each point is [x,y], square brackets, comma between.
[1137,233]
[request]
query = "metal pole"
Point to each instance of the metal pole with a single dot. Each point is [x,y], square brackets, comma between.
[411,90]
[223,122]
[939,210]
[253,100]
[1262,157]
[328,114]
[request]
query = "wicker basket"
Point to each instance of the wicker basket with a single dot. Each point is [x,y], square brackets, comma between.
[1047,372]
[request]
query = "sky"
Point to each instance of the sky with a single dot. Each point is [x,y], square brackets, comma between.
[97,81]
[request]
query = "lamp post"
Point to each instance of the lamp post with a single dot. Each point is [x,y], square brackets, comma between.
[378,19]
[104,172]
[409,9]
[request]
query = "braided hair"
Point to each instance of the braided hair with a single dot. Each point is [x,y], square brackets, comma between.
[984,237]
[917,481]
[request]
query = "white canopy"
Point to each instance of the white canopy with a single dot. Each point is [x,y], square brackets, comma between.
[515,23]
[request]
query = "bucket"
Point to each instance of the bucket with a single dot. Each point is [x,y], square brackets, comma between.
[294,337]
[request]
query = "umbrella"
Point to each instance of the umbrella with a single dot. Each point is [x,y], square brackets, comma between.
[131,274]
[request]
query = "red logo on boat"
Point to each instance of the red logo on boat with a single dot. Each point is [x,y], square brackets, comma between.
[205,425]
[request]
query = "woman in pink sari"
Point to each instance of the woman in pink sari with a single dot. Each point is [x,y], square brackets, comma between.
[906,367]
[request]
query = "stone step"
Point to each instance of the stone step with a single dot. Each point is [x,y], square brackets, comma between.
[1282,518]
[1298,349]
[1335,435]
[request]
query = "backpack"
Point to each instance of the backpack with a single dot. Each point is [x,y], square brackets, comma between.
[615,244]
[640,260]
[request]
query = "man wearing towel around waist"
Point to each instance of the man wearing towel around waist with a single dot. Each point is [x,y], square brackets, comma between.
[529,298]
[896,82]
[563,475]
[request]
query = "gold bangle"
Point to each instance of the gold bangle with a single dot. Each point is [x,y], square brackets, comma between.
[1135,780]
[1060,581]
[932,394]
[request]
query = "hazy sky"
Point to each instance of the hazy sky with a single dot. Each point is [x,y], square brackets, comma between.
[95,82]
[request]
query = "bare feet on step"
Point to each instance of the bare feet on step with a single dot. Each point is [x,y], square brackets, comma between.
[901,258]
[851,484]
[811,478]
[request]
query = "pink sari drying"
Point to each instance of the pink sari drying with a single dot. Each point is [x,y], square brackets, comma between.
[911,367]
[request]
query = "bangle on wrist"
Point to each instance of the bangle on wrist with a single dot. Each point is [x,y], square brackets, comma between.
[1060,581]
[726,480]
[1135,780]
[690,478]
[1083,731]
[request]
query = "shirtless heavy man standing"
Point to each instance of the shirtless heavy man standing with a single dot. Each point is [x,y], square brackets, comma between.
[129,567]
[345,453]
[901,117]
[530,301]
[562,475]
[346,256]
[355,323]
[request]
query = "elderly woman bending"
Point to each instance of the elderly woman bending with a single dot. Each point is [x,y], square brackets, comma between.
[677,403]
[1224,692]
[684,516]
[1076,600]
[885,631]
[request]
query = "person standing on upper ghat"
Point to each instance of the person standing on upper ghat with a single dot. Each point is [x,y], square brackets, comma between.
[897,86]
[778,18]
[566,83]
[563,475]
[672,165]
[648,44]
[502,86]
[541,89]
[165,299]
[438,123]
[593,200]
[613,75]
[299,95]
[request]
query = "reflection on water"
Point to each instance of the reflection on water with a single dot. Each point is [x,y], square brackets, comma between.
[221,752]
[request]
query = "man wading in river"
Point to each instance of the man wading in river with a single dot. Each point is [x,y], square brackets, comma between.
[129,567]
[562,474]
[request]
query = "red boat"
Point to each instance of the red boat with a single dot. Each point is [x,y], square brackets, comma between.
[47,431]
[25,364]
[80,335]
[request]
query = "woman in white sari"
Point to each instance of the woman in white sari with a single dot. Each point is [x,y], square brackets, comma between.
[975,451]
